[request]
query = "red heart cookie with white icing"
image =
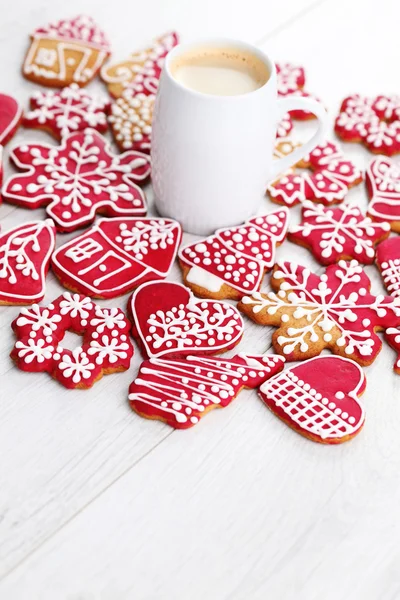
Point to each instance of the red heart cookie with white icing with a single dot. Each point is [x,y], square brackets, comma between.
[168,321]
[10,117]
[115,256]
[233,261]
[388,261]
[383,184]
[77,179]
[338,233]
[319,398]
[25,253]
[181,391]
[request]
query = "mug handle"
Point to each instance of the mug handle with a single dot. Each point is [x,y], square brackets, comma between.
[279,165]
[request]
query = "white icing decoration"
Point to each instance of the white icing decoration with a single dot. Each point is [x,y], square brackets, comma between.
[384,177]
[131,117]
[199,276]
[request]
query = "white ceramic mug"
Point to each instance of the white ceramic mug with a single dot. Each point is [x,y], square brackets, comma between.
[212,156]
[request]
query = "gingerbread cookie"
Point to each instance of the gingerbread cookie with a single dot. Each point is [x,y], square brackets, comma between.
[25,253]
[106,347]
[130,119]
[375,122]
[115,256]
[68,111]
[319,398]
[78,179]
[68,51]
[10,118]
[335,311]
[383,184]
[233,261]
[338,233]
[168,321]
[330,178]
[392,336]
[181,391]
[388,261]
[141,71]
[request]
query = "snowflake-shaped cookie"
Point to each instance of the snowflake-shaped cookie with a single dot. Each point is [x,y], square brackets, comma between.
[335,310]
[78,179]
[130,119]
[329,178]
[333,234]
[373,121]
[383,184]
[141,71]
[67,111]
[106,346]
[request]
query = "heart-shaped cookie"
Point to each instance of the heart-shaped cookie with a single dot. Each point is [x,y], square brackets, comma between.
[383,183]
[169,321]
[319,398]
[10,117]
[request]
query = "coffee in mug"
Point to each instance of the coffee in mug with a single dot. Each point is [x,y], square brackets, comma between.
[220,71]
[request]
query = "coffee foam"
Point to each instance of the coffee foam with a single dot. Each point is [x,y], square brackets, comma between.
[220,71]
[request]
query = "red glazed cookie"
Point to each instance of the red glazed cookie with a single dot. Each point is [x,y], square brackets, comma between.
[106,347]
[383,184]
[168,321]
[25,253]
[68,111]
[388,261]
[141,71]
[181,391]
[130,119]
[338,233]
[330,178]
[10,118]
[68,51]
[335,311]
[319,398]
[233,261]
[373,121]
[392,336]
[115,256]
[78,179]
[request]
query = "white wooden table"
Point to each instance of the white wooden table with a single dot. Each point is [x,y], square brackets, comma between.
[97,503]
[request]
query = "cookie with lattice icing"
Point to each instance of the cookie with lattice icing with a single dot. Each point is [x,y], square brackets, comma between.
[233,261]
[78,179]
[375,122]
[319,398]
[181,391]
[106,347]
[169,321]
[115,256]
[338,233]
[335,310]
[67,51]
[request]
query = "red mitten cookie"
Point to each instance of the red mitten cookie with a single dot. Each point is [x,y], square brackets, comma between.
[181,391]
[70,50]
[340,233]
[141,71]
[373,121]
[330,178]
[392,336]
[168,321]
[106,347]
[25,253]
[383,184]
[233,261]
[10,118]
[130,119]
[68,111]
[115,256]
[388,261]
[78,179]
[319,398]
[335,311]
